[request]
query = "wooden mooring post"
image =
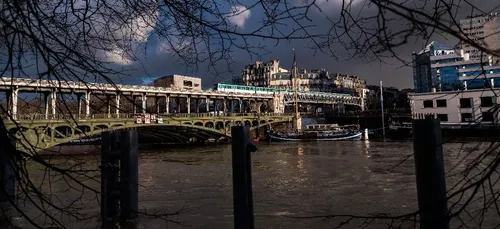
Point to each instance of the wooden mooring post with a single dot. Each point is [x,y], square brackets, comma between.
[242,148]
[8,162]
[7,172]
[119,177]
[430,173]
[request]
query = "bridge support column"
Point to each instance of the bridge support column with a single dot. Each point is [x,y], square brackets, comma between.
[240,107]
[46,101]
[13,103]
[167,104]
[87,103]
[108,103]
[243,107]
[224,105]
[144,100]
[188,104]
[134,104]
[53,100]
[117,103]
[207,104]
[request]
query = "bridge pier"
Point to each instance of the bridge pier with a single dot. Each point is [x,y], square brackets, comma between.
[144,100]
[188,104]
[87,103]
[46,104]
[117,104]
[53,100]
[13,96]
[224,105]
[167,104]
[108,104]
[207,104]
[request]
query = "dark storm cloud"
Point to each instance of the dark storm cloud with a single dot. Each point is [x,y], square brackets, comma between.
[390,70]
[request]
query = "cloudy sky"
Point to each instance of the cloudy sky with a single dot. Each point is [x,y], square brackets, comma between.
[158,59]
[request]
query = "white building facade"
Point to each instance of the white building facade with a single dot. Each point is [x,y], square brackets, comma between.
[461,107]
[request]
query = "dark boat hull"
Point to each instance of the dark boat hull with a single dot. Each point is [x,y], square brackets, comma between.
[338,137]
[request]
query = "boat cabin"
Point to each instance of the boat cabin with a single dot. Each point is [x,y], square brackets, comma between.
[322,126]
[326,127]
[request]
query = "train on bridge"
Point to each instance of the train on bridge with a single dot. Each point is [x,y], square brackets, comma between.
[269,91]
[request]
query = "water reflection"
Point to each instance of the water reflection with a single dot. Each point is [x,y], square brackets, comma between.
[367,148]
[300,154]
[296,178]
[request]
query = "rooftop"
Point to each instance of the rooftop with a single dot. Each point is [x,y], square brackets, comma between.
[435,45]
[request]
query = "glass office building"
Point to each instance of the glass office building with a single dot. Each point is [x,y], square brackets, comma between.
[441,68]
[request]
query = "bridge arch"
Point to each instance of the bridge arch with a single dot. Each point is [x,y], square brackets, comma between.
[209,125]
[219,125]
[43,135]
[153,132]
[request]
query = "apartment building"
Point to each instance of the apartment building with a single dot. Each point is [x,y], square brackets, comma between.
[261,73]
[270,74]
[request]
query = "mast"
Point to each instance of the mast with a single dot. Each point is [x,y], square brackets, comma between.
[295,94]
[382,108]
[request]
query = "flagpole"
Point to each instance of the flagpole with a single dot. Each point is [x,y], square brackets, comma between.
[382,108]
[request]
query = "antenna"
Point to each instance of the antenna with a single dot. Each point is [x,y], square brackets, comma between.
[294,85]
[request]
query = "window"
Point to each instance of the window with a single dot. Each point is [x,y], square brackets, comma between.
[466,117]
[428,103]
[466,103]
[487,116]
[487,101]
[441,103]
[443,117]
[188,83]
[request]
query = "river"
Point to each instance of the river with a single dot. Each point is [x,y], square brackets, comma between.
[290,180]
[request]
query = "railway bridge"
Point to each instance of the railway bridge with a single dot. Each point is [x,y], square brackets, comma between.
[120,98]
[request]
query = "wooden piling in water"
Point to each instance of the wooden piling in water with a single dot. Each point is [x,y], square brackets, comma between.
[430,173]
[119,177]
[129,175]
[242,148]
[8,160]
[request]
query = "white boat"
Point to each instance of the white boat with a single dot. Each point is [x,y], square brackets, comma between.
[320,132]
[317,132]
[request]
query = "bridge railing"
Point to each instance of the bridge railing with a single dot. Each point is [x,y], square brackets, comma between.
[26,117]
